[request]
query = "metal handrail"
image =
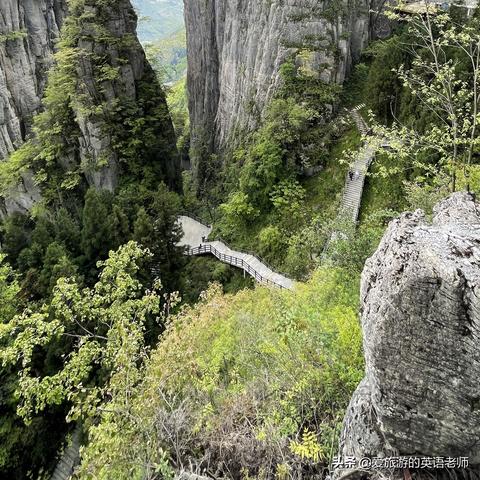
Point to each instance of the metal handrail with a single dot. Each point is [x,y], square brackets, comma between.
[254,255]
[220,239]
[235,261]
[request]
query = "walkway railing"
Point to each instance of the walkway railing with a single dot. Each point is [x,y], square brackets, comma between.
[196,218]
[234,261]
[252,254]
[354,179]
[354,185]
[195,243]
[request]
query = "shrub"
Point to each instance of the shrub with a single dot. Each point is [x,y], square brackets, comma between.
[271,242]
[237,380]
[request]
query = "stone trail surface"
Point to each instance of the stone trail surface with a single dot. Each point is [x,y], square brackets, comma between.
[70,458]
[354,185]
[355,180]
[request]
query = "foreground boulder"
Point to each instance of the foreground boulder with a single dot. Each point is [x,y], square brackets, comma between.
[420,298]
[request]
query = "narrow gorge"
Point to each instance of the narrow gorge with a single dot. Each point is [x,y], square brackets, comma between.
[86,104]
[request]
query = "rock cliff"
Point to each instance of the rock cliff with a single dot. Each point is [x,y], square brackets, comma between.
[421,330]
[236,48]
[28,31]
[105,113]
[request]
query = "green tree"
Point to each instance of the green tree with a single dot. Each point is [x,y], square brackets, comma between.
[67,231]
[157,229]
[238,212]
[271,156]
[120,227]
[56,264]
[107,323]
[444,77]
[383,85]
[143,229]
[9,290]
[16,234]
[288,202]
[23,448]
[31,257]
[97,225]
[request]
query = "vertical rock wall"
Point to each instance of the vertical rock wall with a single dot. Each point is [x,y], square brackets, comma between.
[236,48]
[420,298]
[28,31]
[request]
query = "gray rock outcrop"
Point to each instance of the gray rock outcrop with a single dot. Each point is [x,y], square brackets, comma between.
[420,296]
[28,31]
[115,88]
[236,49]
[119,104]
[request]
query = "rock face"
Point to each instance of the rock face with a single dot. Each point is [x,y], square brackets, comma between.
[421,326]
[28,31]
[118,105]
[236,48]
[113,117]
[95,145]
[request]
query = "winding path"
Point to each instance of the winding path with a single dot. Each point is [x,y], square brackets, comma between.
[195,233]
[354,181]
[195,239]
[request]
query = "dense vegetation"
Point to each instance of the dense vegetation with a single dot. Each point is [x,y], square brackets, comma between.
[241,384]
[75,226]
[259,392]
[421,98]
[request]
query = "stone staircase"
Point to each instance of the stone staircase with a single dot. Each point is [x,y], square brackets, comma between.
[361,124]
[70,457]
[355,179]
[354,184]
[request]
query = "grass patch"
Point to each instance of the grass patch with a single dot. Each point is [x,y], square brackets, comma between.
[257,381]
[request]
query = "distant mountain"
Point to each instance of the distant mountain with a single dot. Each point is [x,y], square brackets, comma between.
[158,18]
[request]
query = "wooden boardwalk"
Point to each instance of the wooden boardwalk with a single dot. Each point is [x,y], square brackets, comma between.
[195,241]
[354,185]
